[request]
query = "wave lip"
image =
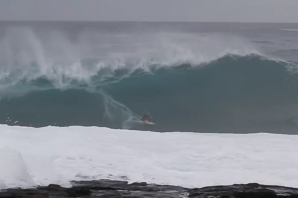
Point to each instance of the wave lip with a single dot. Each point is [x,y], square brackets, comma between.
[28,54]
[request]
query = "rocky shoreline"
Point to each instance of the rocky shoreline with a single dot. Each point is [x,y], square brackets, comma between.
[115,189]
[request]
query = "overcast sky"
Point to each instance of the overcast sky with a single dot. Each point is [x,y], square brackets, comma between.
[151,10]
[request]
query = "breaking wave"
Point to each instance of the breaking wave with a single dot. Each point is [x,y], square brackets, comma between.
[188,82]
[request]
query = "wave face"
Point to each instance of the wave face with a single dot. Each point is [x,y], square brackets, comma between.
[187,82]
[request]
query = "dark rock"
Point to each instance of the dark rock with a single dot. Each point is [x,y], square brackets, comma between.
[6,194]
[121,189]
[102,184]
[77,191]
[139,184]
[243,191]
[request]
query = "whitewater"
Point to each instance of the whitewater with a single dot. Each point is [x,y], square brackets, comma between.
[223,97]
[31,157]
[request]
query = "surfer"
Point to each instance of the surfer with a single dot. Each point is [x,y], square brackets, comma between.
[146,118]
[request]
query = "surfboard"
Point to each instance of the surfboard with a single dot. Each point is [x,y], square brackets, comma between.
[149,123]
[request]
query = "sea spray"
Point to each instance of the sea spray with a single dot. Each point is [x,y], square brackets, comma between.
[188,81]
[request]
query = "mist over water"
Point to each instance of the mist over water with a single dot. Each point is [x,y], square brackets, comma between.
[209,79]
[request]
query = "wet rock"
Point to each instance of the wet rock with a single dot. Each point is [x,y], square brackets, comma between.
[252,190]
[122,189]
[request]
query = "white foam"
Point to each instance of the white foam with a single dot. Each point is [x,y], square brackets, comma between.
[27,54]
[293,30]
[40,156]
[13,170]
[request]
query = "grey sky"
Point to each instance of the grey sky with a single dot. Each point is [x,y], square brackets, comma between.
[151,10]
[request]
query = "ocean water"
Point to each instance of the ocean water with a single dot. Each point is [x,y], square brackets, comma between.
[190,76]
[72,94]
